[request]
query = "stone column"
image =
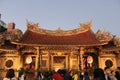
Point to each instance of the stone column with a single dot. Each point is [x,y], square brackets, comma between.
[49,60]
[78,59]
[69,60]
[38,61]
[81,57]
[20,57]
[38,58]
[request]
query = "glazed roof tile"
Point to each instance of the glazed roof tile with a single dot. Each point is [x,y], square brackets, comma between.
[84,38]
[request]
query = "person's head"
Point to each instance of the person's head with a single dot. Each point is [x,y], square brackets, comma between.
[10,73]
[86,73]
[113,73]
[82,72]
[118,68]
[21,72]
[59,71]
[107,70]
[99,73]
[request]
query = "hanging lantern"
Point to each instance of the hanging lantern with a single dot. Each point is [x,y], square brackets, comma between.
[90,59]
[28,59]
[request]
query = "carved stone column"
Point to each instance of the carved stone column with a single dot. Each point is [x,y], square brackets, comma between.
[81,57]
[38,59]
[49,60]
[69,60]
[78,58]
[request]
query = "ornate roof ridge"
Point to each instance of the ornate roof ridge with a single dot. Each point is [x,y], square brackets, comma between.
[34,27]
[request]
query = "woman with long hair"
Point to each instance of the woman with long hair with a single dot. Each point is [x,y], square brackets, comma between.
[10,75]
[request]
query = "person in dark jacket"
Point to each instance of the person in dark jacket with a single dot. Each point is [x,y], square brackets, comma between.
[66,75]
[99,74]
[84,76]
[117,73]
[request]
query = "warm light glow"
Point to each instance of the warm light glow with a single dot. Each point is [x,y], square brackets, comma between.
[59,53]
[28,59]
[89,59]
[59,66]
[56,69]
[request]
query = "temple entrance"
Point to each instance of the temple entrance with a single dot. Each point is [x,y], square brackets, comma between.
[58,62]
[90,61]
[29,61]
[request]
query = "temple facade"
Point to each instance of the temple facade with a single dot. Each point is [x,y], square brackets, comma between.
[42,49]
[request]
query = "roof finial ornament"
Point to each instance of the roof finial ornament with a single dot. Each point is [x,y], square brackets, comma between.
[32,26]
[59,28]
[59,31]
[28,22]
[86,26]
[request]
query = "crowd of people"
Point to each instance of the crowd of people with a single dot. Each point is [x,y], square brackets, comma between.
[63,74]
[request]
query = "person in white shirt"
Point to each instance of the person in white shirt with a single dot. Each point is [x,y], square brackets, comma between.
[113,77]
[107,72]
[10,75]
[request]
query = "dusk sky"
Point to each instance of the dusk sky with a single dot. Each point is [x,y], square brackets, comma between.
[66,14]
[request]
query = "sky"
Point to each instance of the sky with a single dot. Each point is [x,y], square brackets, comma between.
[66,14]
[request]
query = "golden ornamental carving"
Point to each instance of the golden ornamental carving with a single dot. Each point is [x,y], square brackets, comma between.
[14,35]
[85,26]
[116,41]
[104,36]
[2,38]
[28,50]
[59,32]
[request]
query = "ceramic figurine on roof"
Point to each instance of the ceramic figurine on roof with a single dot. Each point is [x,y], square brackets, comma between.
[116,40]
[85,26]
[104,36]
[34,27]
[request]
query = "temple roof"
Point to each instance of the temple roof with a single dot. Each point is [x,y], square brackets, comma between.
[82,36]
